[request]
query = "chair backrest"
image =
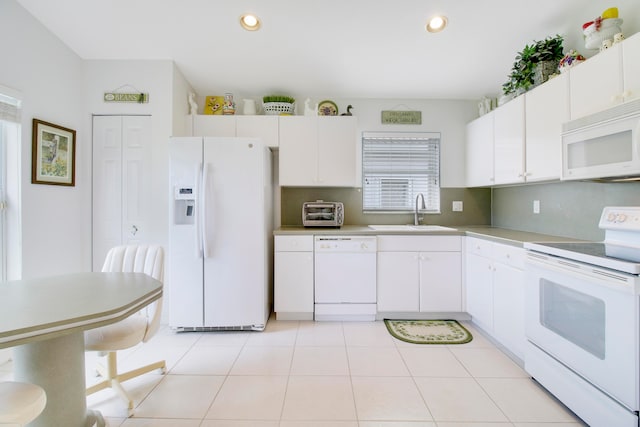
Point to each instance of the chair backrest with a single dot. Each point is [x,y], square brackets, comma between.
[148,259]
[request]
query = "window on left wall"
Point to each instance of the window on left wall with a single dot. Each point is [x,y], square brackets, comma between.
[10,106]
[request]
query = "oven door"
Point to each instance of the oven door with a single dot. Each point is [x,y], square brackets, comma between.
[587,319]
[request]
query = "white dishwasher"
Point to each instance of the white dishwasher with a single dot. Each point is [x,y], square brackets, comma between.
[345,278]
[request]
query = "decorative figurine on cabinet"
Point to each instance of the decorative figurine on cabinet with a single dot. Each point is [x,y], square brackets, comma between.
[308,111]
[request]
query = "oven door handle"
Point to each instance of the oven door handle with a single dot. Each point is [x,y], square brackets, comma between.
[617,281]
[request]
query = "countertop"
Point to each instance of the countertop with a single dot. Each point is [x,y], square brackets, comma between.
[500,235]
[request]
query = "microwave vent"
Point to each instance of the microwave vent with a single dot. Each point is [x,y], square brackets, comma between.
[621,111]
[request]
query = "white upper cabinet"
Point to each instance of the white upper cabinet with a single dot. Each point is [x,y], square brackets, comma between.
[547,108]
[214,125]
[479,162]
[264,127]
[318,151]
[607,79]
[631,67]
[508,142]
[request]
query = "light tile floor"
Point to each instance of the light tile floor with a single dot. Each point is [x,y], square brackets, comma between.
[324,374]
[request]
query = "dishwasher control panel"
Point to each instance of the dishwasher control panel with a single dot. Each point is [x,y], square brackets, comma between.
[345,244]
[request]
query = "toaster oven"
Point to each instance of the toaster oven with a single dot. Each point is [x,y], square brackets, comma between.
[322,214]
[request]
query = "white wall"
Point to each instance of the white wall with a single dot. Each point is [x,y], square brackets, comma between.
[156,79]
[448,117]
[55,219]
[168,107]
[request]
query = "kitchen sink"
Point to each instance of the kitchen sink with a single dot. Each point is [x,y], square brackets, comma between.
[395,227]
[431,228]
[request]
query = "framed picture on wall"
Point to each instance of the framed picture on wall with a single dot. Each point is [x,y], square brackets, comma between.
[53,154]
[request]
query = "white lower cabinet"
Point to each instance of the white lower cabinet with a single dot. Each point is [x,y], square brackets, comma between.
[495,291]
[419,274]
[293,277]
[479,287]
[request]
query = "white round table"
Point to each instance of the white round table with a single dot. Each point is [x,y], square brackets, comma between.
[44,320]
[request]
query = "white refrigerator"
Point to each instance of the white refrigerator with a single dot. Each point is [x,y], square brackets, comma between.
[220,234]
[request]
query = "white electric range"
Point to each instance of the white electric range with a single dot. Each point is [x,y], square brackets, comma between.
[582,320]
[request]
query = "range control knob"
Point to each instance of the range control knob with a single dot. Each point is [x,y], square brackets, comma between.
[622,217]
[611,217]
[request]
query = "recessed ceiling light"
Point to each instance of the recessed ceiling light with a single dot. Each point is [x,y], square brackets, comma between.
[250,22]
[436,24]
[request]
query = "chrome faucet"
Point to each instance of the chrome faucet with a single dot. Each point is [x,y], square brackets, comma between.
[423,206]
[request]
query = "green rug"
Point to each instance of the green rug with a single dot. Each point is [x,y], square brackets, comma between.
[428,331]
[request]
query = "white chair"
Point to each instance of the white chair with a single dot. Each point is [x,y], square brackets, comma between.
[135,329]
[20,403]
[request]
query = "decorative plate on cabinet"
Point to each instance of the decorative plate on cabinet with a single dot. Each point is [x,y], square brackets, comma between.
[327,108]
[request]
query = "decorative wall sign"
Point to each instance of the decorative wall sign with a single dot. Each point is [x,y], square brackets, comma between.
[53,158]
[401,117]
[140,98]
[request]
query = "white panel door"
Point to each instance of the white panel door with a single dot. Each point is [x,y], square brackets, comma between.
[337,142]
[440,282]
[479,145]
[479,281]
[298,162]
[508,142]
[398,282]
[508,308]
[547,108]
[596,84]
[136,178]
[121,182]
[631,67]
[293,282]
[107,186]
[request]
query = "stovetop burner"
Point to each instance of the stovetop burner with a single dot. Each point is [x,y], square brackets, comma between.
[620,249]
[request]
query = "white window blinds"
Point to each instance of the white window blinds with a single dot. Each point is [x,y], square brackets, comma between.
[9,108]
[396,168]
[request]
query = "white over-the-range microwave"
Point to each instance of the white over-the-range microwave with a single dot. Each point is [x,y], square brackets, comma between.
[604,146]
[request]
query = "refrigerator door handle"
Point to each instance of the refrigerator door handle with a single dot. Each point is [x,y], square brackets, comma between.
[204,220]
[198,189]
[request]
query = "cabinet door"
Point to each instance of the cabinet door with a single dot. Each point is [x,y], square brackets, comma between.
[597,83]
[508,308]
[631,67]
[214,125]
[479,151]
[293,282]
[508,142]
[547,108]
[337,142]
[298,160]
[264,127]
[440,281]
[398,281]
[479,287]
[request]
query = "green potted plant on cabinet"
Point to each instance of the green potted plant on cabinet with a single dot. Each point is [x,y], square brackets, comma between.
[533,65]
[278,104]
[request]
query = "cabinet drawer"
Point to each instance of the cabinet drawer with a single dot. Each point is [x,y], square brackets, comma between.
[510,255]
[419,243]
[479,247]
[293,243]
